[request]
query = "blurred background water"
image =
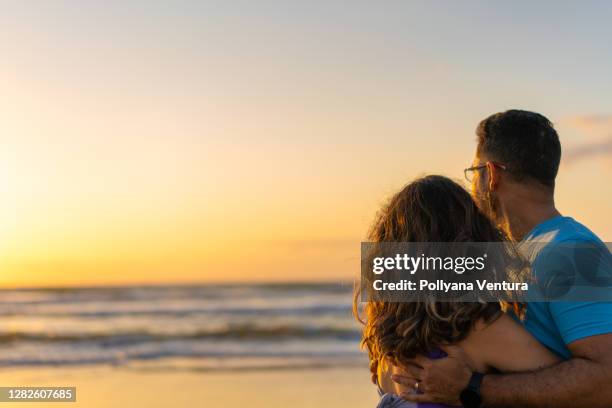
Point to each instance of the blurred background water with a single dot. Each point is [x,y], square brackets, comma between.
[208,327]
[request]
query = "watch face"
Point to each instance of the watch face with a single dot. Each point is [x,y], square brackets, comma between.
[470,398]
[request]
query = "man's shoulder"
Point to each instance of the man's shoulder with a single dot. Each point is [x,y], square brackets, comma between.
[571,230]
[573,256]
[562,230]
[573,240]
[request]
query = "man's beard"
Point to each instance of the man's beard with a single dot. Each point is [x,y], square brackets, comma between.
[488,203]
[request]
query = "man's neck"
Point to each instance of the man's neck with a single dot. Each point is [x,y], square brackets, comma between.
[525,210]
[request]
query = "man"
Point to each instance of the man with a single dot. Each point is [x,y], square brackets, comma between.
[513,180]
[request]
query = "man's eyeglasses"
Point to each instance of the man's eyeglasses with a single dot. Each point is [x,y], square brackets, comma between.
[469,172]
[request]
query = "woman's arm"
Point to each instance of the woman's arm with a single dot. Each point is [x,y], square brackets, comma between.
[506,346]
[503,345]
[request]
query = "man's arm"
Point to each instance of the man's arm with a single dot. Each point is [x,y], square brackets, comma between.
[583,381]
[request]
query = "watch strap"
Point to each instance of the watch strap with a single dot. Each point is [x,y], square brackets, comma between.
[475,381]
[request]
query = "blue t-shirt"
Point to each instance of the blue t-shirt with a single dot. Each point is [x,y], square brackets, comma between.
[559,323]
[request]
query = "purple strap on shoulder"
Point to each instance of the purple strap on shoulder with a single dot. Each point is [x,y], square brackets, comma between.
[436,354]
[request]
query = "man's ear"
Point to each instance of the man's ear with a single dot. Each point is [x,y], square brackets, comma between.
[494,176]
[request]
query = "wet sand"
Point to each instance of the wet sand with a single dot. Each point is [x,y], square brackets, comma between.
[136,387]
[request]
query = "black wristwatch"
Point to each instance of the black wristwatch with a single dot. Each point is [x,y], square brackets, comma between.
[470,397]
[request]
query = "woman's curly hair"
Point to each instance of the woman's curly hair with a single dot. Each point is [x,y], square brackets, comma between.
[430,209]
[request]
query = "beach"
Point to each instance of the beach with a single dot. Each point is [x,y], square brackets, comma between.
[107,386]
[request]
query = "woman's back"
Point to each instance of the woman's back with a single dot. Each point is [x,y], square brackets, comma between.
[436,209]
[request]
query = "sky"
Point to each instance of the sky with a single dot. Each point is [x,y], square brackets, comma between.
[194,141]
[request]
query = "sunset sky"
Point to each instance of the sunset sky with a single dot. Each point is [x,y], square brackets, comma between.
[151,142]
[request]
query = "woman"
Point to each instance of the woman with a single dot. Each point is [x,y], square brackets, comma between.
[436,209]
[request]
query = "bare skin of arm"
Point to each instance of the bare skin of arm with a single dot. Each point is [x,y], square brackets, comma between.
[503,345]
[583,381]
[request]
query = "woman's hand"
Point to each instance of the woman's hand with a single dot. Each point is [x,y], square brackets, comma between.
[440,380]
[387,370]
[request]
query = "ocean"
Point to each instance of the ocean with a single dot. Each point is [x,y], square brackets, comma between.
[204,327]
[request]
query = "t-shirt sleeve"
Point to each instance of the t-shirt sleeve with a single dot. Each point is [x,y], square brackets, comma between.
[581,273]
[577,320]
